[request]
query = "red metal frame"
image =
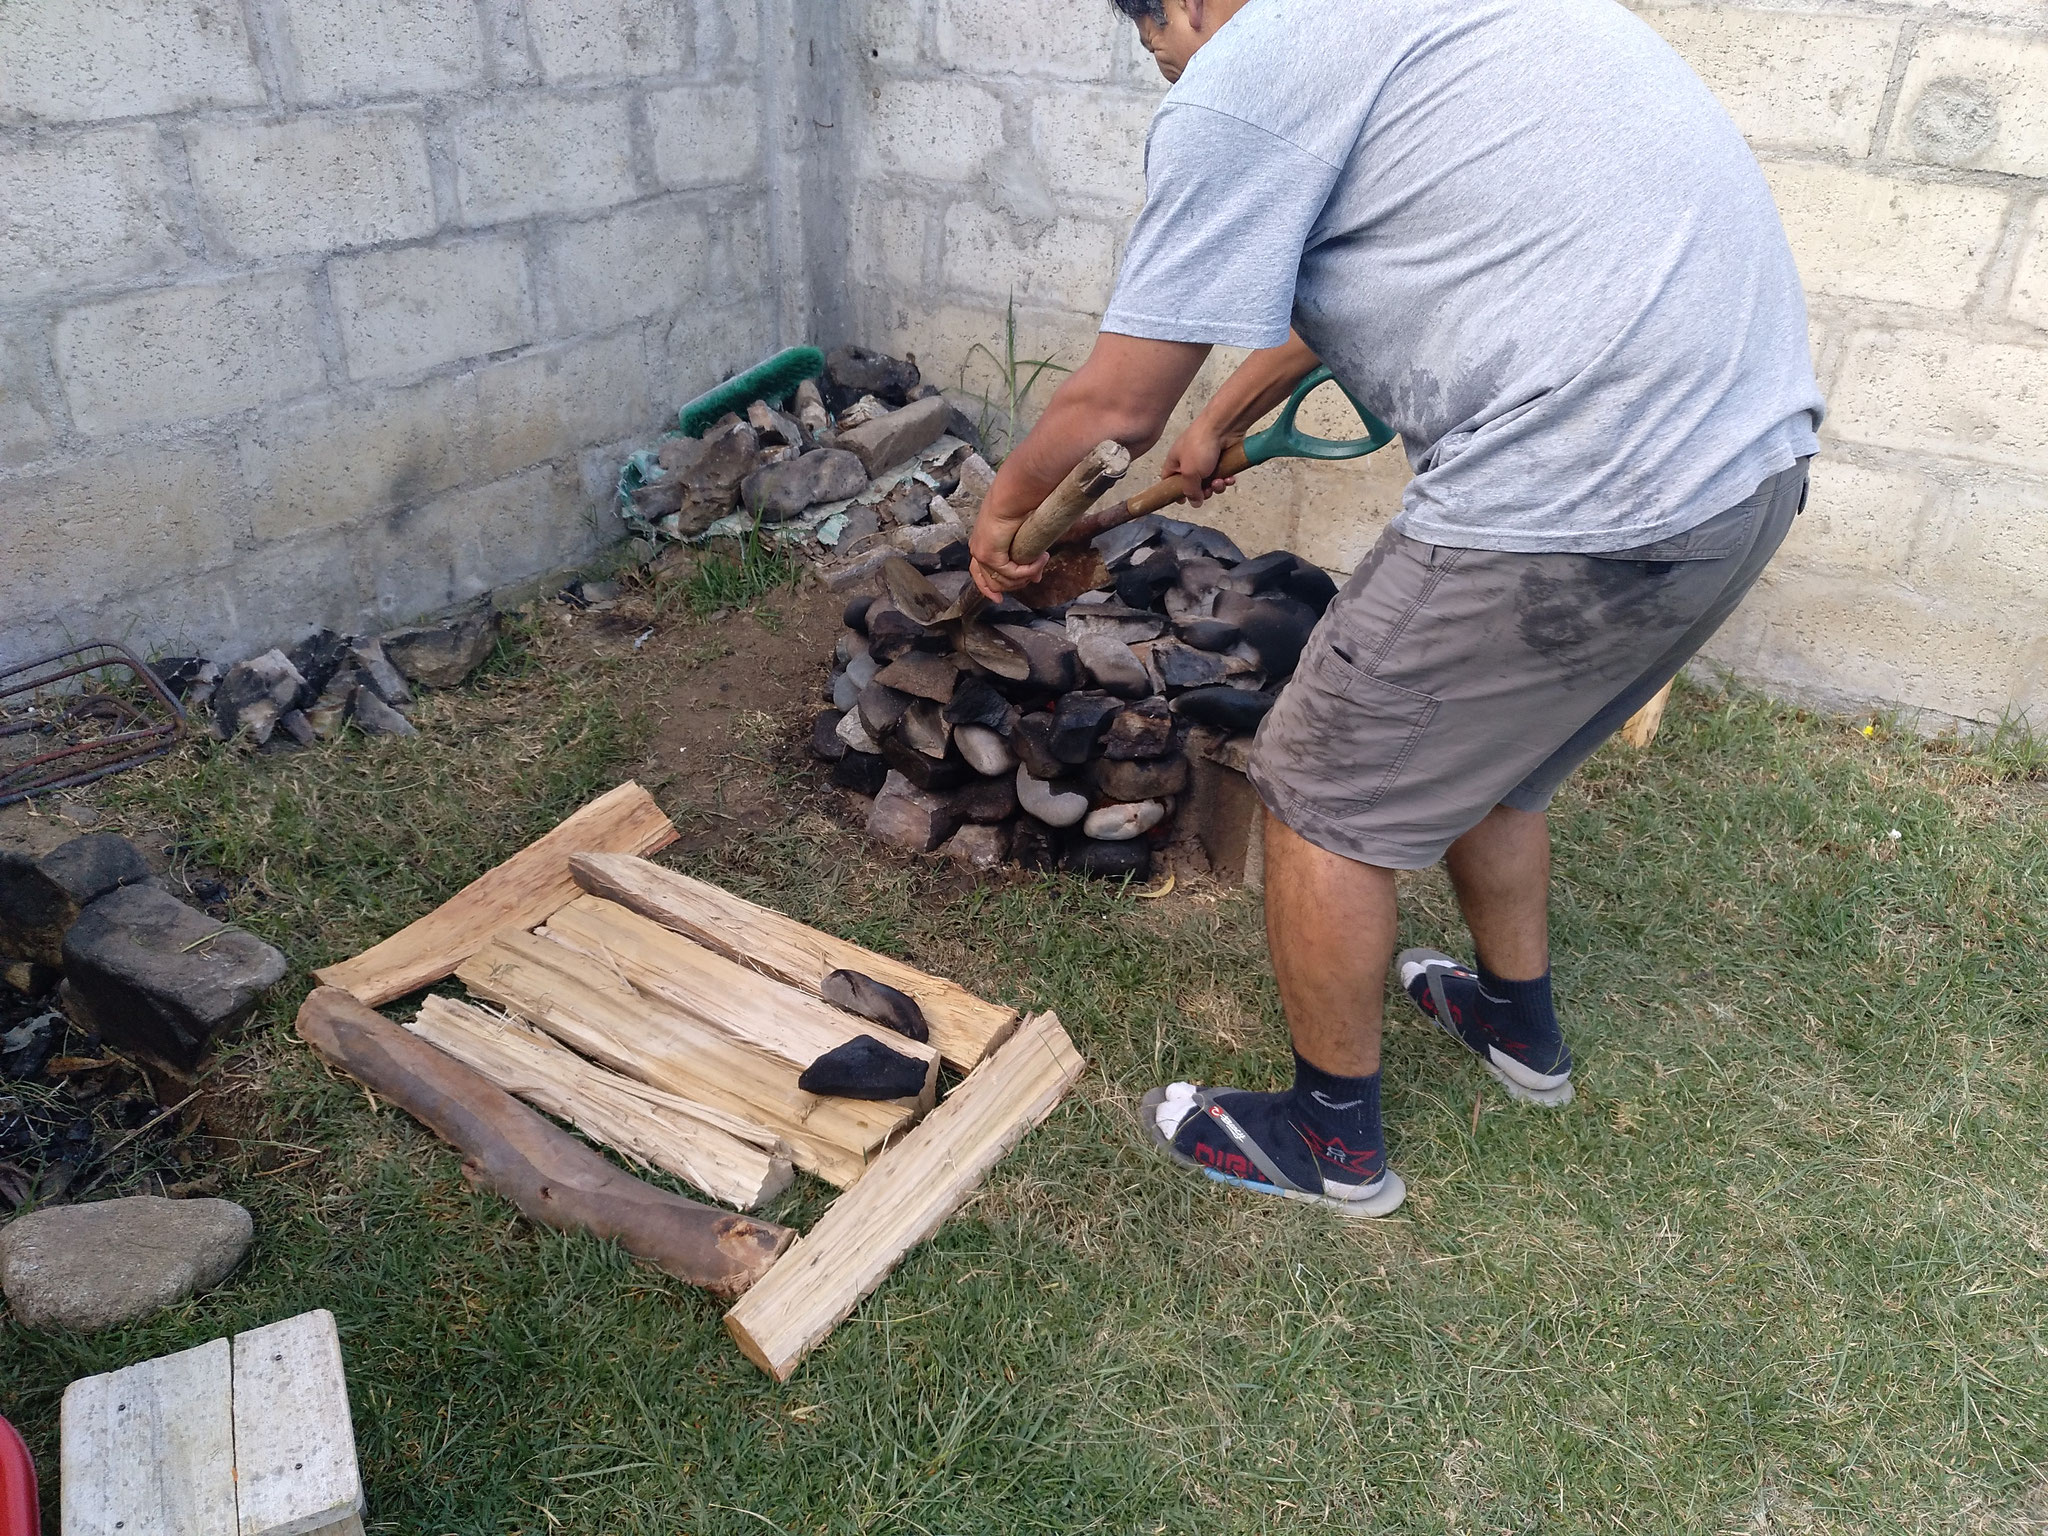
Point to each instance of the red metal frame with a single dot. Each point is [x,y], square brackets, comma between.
[153,731]
[20,1513]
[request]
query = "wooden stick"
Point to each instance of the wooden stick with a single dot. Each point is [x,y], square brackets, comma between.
[730,1159]
[518,893]
[1100,468]
[552,1177]
[964,1027]
[1156,497]
[907,1194]
[1642,726]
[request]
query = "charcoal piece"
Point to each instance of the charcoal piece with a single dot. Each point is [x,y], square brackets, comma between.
[1117,545]
[878,1003]
[1311,584]
[1210,634]
[892,632]
[984,801]
[1144,730]
[1235,710]
[862,772]
[1182,666]
[1277,628]
[880,707]
[826,742]
[864,1068]
[934,775]
[1034,845]
[1055,665]
[1032,742]
[1129,860]
[317,657]
[1127,780]
[1079,723]
[974,702]
[923,674]
[855,614]
[1265,573]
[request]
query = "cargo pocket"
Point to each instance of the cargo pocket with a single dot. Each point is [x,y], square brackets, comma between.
[1357,735]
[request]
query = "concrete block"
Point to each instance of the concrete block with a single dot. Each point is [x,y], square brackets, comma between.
[606,39]
[884,32]
[115,523]
[403,312]
[1092,143]
[1976,99]
[84,211]
[26,430]
[940,129]
[741,262]
[64,62]
[1859,518]
[330,461]
[273,594]
[1788,80]
[1991,549]
[706,135]
[1071,265]
[641,261]
[318,183]
[728,32]
[1343,508]
[705,343]
[989,37]
[1862,236]
[186,354]
[889,241]
[353,50]
[2030,283]
[1945,394]
[548,404]
[521,155]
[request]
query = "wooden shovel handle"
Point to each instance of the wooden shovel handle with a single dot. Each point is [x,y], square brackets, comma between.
[1100,468]
[1174,488]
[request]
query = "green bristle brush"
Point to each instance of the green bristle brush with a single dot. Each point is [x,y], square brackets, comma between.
[773,381]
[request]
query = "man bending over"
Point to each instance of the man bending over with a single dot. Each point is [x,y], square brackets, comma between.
[1525,235]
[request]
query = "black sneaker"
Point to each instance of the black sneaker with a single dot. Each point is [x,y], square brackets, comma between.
[1533,1072]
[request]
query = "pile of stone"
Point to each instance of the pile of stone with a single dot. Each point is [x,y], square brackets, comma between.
[870,457]
[328,681]
[1176,652]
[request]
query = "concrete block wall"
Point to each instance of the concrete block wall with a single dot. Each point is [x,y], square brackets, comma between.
[339,311]
[998,159]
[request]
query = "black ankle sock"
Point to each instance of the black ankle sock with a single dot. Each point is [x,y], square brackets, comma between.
[1519,1012]
[1324,1127]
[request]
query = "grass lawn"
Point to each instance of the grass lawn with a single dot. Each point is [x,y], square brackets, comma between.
[1779,1269]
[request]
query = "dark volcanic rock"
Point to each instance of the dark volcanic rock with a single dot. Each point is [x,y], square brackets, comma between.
[1210,634]
[934,774]
[41,897]
[1182,666]
[443,655]
[851,372]
[1139,586]
[1235,710]
[985,801]
[1265,572]
[1129,859]
[785,490]
[1032,742]
[1126,780]
[826,742]
[891,632]
[317,658]
[1143,730]
[162,978]
[880,708]
[1277,628]
[974,702]
[864,1068]
[1079,723]
[1311,584]
[924,674]
[1055,665]
[1034,845]
[855,615]
[880,1004]
[862,772]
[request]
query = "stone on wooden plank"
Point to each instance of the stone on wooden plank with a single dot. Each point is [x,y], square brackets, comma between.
[1054,806]
[864,1068]
[110,1262]
[905,816]
[1116,823]
[41,897]
[876,1002]
[443,655]
[1130,780]
[785,490]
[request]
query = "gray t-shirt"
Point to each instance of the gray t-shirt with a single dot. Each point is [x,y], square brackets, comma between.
[1521,231]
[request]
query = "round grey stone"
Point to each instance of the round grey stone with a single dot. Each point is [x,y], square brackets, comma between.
[96,1266]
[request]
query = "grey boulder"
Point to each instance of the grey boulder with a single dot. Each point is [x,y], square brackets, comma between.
[443,655]
[41,897]
[96,1266]
[786,490]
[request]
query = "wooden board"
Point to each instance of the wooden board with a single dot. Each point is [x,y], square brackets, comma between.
[149,1450]
[728,1158]
[591,1008]
[910,1190]
[964,1027]
[552,1177]
[295,1450]
[782,1020]
[520,892]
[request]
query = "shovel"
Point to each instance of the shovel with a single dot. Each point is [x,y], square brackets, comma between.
[1100,468]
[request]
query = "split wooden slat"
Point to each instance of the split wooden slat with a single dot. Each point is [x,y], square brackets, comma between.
[911,1189]
[783,1020]
[1641,727]
[149,1450]
[964,1028]
[295,1450]
[730,1159]
[589,1006]
[519,893]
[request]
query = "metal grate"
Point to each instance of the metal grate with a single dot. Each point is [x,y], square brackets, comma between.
[79,715]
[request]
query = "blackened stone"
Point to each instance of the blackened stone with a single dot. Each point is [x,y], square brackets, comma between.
[1055,665]
[1032,742]
[253,694]
[855,616]
[1277,628]
[851,372]
[1266,572]
[974,702]
[1235,710]
[1182,666]
[1117,545]
[876,1002]
[934,775]
[162,978]
[1034,845]
[1079,723]
[180,673]
[782,491]
[985,801]
[891,632]
[1127,860]
[41,897]
[864,1068]
[1196,539]
[958,425]
[317,658]
[862,772]
[923,728]
[1199,574]
[443,655]
[955,556]
[1210,634]
[1139,586]
[1143,730]
[1311,584]
[1007,610]
[880,708]
[1127,780]
[923,674]
[826,742]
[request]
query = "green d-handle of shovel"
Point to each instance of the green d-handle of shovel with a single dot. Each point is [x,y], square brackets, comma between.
[1284,440]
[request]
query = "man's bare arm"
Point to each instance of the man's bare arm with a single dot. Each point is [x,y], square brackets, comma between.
[1125,391]
[1261,382]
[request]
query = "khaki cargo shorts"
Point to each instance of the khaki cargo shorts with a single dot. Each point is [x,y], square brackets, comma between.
[1443,682]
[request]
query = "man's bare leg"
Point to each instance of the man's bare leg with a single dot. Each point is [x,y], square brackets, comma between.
[1501,872]
[1330,926]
